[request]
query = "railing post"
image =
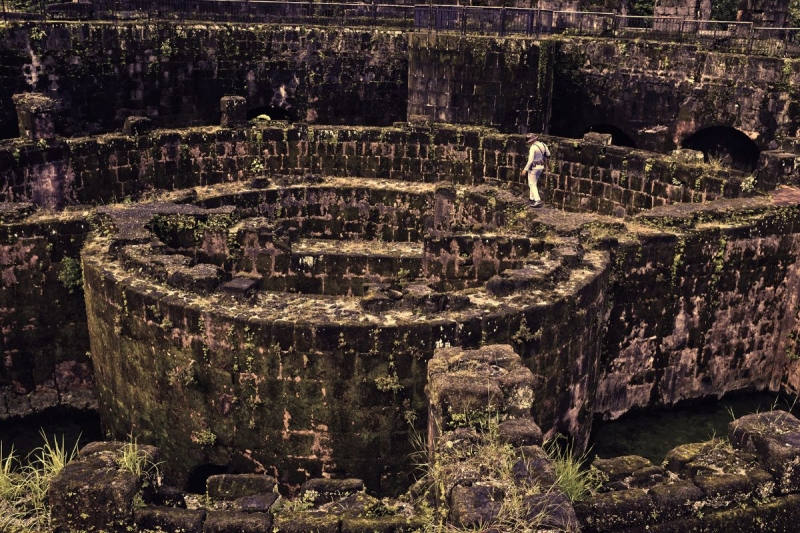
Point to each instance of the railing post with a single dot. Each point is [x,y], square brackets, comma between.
[4,11]
[502,22]
[529,26]
[538,22]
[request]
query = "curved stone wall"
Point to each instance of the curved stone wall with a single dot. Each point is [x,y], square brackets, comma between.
[44,341]
[261,333]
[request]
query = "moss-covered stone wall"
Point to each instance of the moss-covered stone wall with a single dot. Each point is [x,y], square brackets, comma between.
[44,339]
[660,93]
[177,73]
[583,175]
[702,307]
[504,83]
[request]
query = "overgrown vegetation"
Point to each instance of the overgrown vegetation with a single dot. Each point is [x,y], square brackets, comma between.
[138,462]
[574,480]
[71,275]
[24,485]
[497,466]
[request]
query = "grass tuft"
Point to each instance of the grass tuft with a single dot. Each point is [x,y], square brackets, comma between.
[575,481]
[23,504]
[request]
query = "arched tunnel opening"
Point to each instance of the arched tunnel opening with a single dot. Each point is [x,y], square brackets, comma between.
[618,137]
[724,146]
[274,113]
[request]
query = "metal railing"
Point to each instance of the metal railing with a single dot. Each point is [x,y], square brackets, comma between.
[731,36]
[244,11]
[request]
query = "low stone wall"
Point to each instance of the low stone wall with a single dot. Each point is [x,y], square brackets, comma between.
[301,383]
[703,304]
[586,175]
[42,315]
[486,465]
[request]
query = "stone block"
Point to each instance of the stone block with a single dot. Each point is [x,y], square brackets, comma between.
[257,503]
[241,287]
[305,522]
[328,490]
[202,278]
[613,510]
[92,494]
[473,506]
[15,211]
[722,485]
[233,486]
[237,522]
[381,524]
[234,112]
[36,116]
[674,500]
[551,511]
[169,519]
[520,432]
[629,471]
[774,436]
[136,126]
[534,466]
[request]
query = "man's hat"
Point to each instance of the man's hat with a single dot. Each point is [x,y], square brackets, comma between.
[531,138]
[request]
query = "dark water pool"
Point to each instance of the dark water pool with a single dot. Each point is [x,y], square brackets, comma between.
[652,434]
[25,435]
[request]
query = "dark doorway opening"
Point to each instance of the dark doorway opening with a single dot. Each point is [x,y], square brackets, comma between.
[196,481]
[724,146]
[618,137]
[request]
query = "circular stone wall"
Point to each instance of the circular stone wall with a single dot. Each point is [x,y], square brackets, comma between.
[286,327]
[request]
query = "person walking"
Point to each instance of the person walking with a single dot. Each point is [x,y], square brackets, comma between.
[537,159]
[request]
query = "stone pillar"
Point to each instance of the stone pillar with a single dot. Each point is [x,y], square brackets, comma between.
[467,387]
[480,400]
[36,115]
[234,111]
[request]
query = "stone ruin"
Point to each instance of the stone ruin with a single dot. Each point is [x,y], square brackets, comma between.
[292,301]
[748,484]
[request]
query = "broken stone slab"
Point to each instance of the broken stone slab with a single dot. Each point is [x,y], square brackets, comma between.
[328,490]
[153,518]
[239,522]
[202,278]
[231,487]
[240,287]
[257,503]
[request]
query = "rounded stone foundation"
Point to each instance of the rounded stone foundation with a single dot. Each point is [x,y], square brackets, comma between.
[285,328]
